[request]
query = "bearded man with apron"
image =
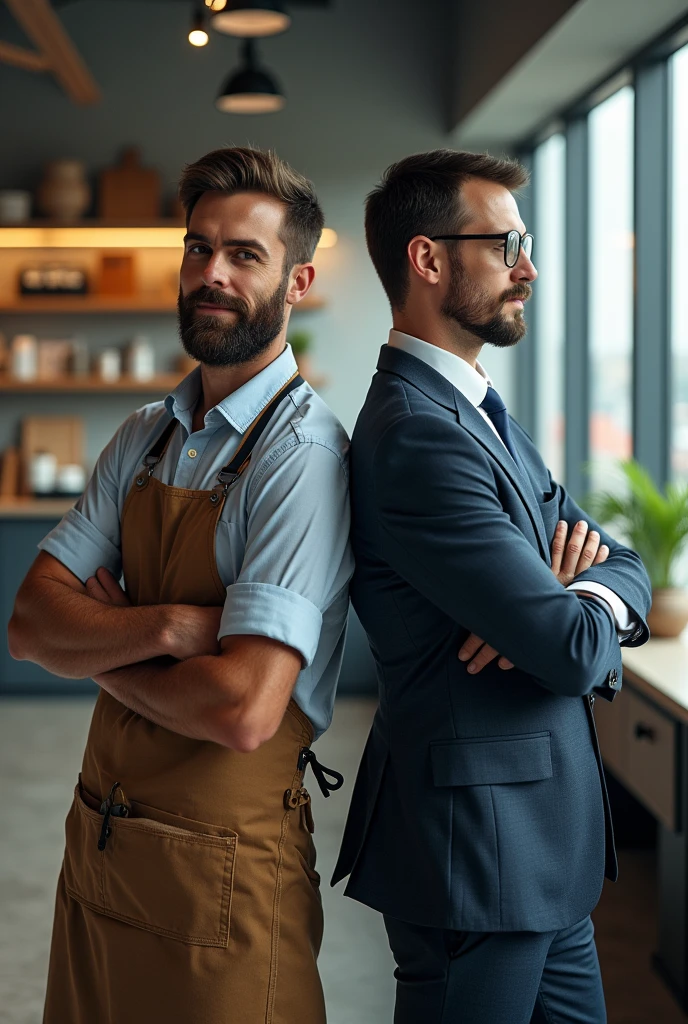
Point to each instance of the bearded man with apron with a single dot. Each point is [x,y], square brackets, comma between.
[188,890]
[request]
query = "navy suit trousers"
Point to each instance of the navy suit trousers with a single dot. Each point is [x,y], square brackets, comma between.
[449,977]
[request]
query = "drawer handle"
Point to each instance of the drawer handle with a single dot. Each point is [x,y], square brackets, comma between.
[644,732]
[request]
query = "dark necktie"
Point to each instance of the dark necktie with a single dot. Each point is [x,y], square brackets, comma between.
[496,410]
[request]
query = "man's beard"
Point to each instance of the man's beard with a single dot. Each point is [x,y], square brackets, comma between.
[214,341]
[478,313]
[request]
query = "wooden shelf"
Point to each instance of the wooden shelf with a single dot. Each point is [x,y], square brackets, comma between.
[89,304]
[98,304]
[94,223]
[162,383]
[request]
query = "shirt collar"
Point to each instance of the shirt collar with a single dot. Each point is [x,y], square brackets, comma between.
[472,383]
[241,407]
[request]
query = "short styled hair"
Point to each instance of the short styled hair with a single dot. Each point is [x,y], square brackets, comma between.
[421,195]
[245,169]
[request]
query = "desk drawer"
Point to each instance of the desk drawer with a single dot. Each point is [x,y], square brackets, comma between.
[651,758]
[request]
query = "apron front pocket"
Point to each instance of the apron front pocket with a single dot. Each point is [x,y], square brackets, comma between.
[172,879]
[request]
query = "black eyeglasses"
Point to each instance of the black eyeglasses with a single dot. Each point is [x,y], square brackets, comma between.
[513,243]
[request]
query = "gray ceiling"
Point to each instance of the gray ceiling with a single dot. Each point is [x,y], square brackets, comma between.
[586,44]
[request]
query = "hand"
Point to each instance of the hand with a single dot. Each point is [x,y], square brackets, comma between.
[568,560]
[104,587]
[485,654]
[192,631]
[582,551]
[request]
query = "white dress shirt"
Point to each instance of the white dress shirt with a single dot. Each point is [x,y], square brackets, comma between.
[473,385]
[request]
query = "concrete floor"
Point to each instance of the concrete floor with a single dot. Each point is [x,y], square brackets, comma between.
[41,743]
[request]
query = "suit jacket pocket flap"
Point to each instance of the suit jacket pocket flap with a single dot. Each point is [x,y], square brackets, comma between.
[491,761]
[175,880]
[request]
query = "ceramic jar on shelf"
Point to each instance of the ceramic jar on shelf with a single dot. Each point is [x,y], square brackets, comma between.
[64,193]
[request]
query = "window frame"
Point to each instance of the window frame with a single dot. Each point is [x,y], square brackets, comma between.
[648,72]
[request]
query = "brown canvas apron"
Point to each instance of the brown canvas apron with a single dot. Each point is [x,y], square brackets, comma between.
[202,904]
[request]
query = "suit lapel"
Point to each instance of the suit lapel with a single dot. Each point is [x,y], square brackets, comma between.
[470,418]
[442,391]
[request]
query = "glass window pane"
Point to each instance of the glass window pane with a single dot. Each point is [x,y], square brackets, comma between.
[548,296]
[611,284]
[679,306]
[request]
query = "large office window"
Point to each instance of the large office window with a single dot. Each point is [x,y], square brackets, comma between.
[549,256]
[679,264]
[611,284]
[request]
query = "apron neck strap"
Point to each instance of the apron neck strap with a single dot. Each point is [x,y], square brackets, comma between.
[229,473]
[154,455]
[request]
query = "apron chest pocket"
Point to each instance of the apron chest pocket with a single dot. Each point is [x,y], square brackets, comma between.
[175,880]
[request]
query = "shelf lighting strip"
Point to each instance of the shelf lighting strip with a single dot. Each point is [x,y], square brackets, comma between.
[91,237]
[108,238]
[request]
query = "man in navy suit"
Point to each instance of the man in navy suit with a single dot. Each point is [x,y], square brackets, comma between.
[480,824]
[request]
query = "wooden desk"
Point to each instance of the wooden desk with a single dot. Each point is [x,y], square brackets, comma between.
[644,742]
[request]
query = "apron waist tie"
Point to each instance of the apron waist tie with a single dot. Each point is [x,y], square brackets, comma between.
[327,785]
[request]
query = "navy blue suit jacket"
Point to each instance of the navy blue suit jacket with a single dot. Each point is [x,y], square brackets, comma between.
[480,802]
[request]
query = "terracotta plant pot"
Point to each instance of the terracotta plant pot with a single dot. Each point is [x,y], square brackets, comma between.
[669,613]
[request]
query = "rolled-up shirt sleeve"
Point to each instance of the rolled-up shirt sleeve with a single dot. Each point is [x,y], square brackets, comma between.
[297,557]
[89,535]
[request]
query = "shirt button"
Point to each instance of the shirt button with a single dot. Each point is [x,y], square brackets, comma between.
[192,453]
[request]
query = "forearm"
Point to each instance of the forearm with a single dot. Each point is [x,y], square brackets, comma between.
[237,698]
[70,634]
[194,698]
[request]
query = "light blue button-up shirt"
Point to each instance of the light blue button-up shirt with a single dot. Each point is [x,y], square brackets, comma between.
[282,541]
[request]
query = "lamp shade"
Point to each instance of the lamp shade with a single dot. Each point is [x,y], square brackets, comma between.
[251,18]
[250,90]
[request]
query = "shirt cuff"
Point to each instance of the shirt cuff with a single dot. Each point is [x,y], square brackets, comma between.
[262,609]
[81,547]
[622,615]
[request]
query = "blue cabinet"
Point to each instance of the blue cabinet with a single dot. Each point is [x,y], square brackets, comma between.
[18,540]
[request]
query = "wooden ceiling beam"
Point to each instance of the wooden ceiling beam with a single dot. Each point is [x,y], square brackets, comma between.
[44,28]
[18,57]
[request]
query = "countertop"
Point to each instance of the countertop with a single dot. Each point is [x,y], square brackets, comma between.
[659,669]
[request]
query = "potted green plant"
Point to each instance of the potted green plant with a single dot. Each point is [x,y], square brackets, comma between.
[655,524]
[301,342]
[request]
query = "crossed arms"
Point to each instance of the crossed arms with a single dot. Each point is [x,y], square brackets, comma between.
[569,558]
[162,661]
[444,529]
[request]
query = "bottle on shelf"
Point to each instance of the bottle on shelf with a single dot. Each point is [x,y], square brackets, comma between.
[140,358]
[24,357]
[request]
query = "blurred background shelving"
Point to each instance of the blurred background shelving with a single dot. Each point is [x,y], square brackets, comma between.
[146,307]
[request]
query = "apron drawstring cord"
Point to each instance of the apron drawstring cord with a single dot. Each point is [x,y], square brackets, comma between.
[327,785]
[108,808]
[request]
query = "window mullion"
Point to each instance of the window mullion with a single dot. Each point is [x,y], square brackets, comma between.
[576,360]
[652,348]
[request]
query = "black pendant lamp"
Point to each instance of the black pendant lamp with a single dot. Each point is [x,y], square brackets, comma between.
[250,90]
[251,18]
